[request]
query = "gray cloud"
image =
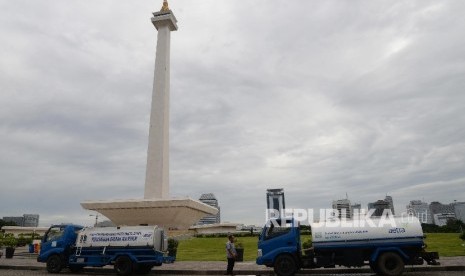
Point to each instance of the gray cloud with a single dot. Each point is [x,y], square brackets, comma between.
[320,98]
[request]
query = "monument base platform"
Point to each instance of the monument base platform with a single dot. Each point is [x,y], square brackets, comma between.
[215,228]
[169,213]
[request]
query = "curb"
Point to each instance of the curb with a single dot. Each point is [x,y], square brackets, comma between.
[251,272]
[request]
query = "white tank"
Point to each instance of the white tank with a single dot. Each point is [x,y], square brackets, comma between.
[407,229]
[151,236]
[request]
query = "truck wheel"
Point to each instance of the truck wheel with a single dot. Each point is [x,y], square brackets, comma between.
[390,264]
[54,264]
[285,266]
[123,266]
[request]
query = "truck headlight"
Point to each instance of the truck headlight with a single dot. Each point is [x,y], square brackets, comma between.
[259,253]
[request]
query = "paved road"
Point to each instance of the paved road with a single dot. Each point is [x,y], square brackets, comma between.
[15,272]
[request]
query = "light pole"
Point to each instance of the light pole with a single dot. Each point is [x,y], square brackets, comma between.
[96,219]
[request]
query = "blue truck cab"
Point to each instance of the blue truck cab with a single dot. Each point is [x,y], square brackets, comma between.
[278,237]
[57,246]
[279,246]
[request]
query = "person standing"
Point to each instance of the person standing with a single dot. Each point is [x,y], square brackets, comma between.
[230,255]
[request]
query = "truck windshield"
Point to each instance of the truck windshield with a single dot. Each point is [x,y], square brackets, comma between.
[54,233]
[276,230]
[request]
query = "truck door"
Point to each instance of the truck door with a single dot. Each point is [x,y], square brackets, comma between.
[277,237]
[53,238]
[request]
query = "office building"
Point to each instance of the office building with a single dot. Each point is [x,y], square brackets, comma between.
[343,207]
[380,205]
[211,200]
[441,219]
[27,220]
[390,202]
[355,209]
[30,220]
[275,199]
[459,210]
[442,212]
[420,210]
[16,220]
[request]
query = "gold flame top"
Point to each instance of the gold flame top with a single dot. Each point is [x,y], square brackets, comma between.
[165,6]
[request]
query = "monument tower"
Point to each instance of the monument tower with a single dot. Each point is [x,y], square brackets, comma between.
[157,173]
[156,208]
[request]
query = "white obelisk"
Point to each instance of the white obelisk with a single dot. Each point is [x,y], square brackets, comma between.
[157,174]
[157,208]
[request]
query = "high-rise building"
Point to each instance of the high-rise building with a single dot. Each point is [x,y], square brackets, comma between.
[380,205]
[343,207]
[275,199]
[421,210]
[355,208]
[389,200]
[211,200]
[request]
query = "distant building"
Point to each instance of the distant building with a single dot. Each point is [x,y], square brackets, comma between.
[16,220]
[343,207]
[380,205]
[355,209]
[389,200]
[211,200]
[442,212]
[420,210]
[27,220]
[30,220]
[459,210]
[437,207]
[441,219]
[275,199]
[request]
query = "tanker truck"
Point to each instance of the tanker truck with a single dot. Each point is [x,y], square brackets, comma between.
[386,248]
[131,249]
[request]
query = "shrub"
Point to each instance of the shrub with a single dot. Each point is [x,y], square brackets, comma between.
[172,247]
[9,240]
[24,239]
[307,244]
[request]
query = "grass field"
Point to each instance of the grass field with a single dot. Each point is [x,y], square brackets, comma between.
[213,249]
[447,244]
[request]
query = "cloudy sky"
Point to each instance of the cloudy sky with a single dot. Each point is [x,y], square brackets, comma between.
[321,98]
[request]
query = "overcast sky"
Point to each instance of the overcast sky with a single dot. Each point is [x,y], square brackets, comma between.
[321,98]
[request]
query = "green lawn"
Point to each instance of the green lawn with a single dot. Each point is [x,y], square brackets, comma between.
[213,249]
[447,244]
